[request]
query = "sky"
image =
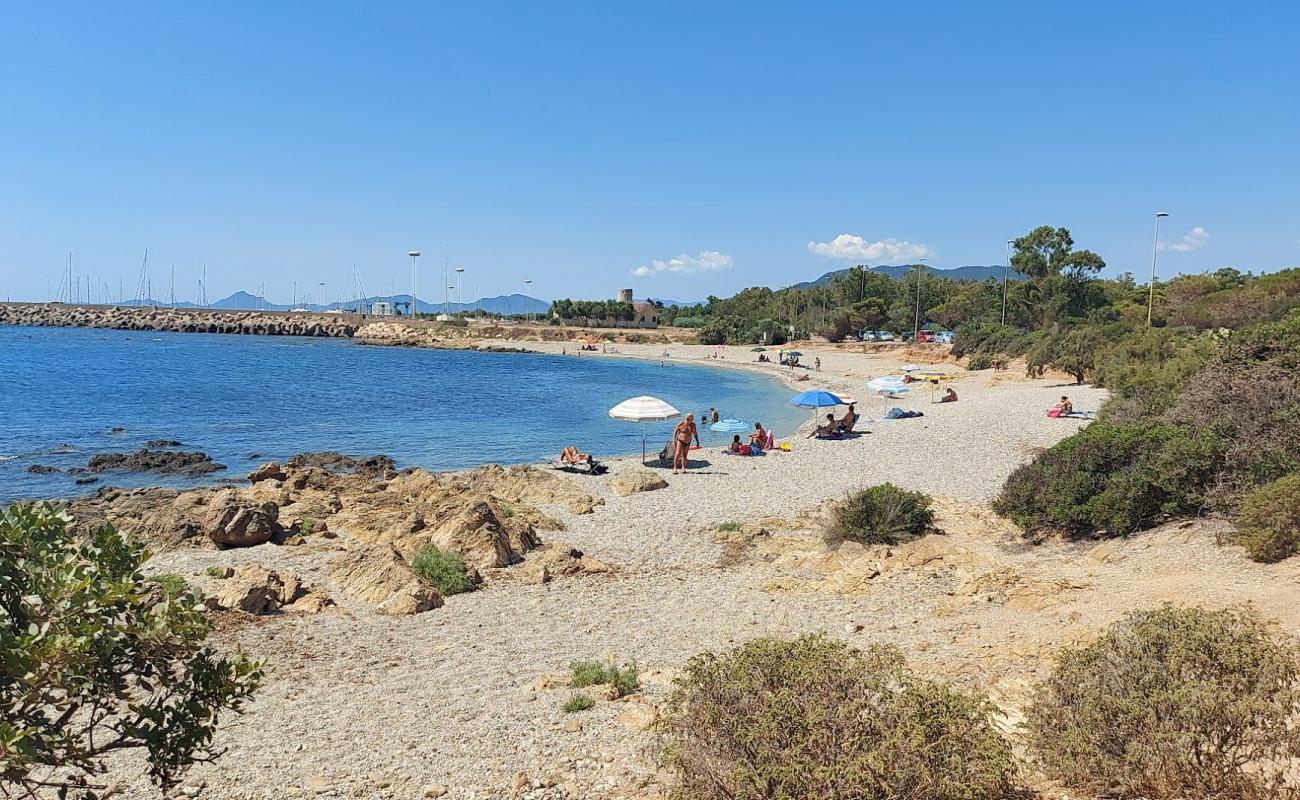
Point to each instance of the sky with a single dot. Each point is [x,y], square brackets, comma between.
[681,149]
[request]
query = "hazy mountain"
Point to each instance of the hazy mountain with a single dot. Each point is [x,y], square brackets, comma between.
[679,303]
[968,273]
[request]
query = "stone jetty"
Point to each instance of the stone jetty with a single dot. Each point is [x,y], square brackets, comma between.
[182,320]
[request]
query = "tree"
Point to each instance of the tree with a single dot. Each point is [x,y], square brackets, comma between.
[1059,275]
[94,658]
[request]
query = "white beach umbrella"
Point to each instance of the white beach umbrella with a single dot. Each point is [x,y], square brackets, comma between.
[887,386]
[909,367]
[644,409]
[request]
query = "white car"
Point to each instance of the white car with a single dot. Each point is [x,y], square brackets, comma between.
[885,336]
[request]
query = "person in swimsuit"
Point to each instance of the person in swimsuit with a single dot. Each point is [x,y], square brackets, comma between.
[682,436]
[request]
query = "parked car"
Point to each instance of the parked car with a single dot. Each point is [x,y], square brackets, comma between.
[884,336]
[867,336]
[946,337]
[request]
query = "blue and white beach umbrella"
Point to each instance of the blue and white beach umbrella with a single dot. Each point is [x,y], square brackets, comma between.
[888,386]
[729,426]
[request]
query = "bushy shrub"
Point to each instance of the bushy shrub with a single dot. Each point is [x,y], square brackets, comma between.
[979,362]
[1110,480]
[815,718]
[883,514]
[94,658]
[1269,525]
[1172,703]
[578,701]
[172,585]
[442,568]
[625,680]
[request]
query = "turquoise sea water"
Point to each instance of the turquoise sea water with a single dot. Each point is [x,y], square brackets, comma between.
[248,399]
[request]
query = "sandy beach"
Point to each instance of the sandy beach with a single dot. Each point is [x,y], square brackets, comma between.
[366,705]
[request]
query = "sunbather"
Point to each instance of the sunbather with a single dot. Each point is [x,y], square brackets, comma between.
[849,420]
[949,396]
[570,455]
[738,447]
[759,436]
[825,430]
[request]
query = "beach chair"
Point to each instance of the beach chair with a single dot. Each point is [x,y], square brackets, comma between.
[589,467]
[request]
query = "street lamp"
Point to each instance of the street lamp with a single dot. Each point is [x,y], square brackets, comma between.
[460,290]
[1005,271]
[528,315]
[414,254]
[322,295]
[916,326]
[1155,247]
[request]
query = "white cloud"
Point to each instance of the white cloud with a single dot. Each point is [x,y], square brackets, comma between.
[847,247]
[706,261]
[1194,239]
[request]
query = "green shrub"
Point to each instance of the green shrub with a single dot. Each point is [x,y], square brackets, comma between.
[306,526]
[95,659]
[1111,480]
[444,569]
[625,679]
[728,527]
[1172,703]
[883,514]
[578,701]
[173,585]
[1269,525]
[979,362]
[815,718]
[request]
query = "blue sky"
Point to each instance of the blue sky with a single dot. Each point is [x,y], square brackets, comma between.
[703,148]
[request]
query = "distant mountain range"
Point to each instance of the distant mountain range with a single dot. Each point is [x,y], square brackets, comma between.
[501,304]
[968,273]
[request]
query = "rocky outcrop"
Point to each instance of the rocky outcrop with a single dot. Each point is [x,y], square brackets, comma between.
[232,520]
[558,560]
[641,480]
[254,589]
[528,485]
[169,462]
[184,320]
[381,578]
[162,518]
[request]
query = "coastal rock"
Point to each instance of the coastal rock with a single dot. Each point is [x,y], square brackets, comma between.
[165,518]
[42,469]
[641,480]
[525,484]
[558,559]
[254,589]
[269,471]
[161,461]
[233,521]
[154,444]
[183,320]
[380,577]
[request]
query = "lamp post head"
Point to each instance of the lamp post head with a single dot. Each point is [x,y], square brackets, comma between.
[460,269]
[1162,214]
[414,254]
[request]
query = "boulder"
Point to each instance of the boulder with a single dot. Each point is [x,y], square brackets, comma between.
[558,559]
[269,471]
[254,589]
[639,716]
[641,480]
[233,521]
[380,577]
[173,462]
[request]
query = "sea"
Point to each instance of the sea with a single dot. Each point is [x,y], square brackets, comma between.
[244,400]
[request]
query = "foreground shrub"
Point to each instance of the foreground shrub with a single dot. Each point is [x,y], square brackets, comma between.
[979,362]
[883,514]
[816,718]
[1172,703]
[95,658]
[1269,526]
[625,679]
[442,568]
[578,701]
[1112,480]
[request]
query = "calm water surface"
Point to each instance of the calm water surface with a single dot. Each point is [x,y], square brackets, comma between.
[248,399]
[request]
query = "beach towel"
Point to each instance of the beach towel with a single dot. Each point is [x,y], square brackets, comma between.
[1053,412]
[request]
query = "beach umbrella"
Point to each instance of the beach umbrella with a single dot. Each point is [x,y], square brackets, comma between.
[887,386]
[758,349]
[815,399]
[730,426]
[931,375]
[794,353]
[643,409]
[909,367]
[845,400]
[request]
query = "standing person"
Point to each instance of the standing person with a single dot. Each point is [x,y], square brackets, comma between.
[817,363]
[713,415]
[682,435]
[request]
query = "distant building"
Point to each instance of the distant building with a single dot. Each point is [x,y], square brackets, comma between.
[646,314]
[625,295]
[382,308]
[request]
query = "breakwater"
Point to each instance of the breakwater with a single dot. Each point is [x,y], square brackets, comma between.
[181,320]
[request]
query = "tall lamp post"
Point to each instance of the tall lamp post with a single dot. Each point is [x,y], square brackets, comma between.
[916,323]
[321,295]
[528,315]
[415,255]
[1155,248]
[1006,270]
[460,290]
